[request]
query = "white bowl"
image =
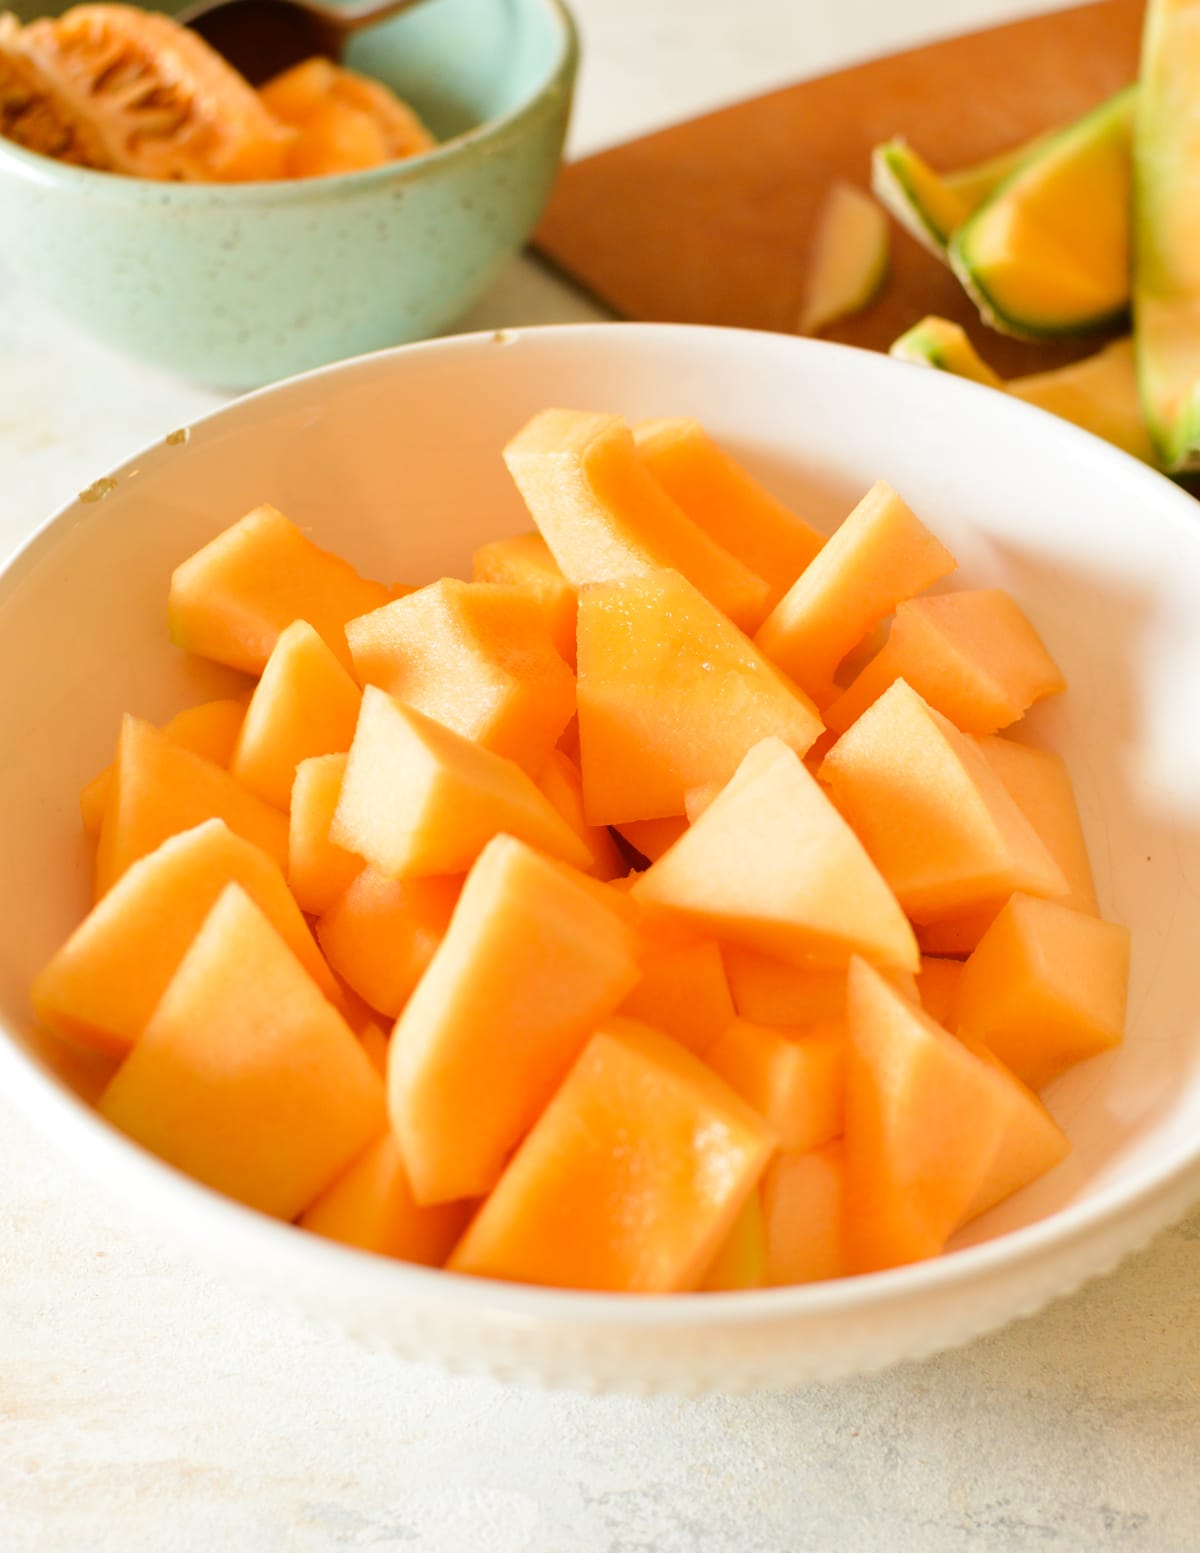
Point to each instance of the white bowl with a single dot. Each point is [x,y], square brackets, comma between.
[394,461]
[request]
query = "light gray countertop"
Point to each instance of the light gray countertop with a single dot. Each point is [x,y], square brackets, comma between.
[146,1408]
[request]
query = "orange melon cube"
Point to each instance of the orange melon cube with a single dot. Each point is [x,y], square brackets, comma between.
[476,656]
[1040,786]
[418,798]
[881,555]
[304,704]
[1031,1142]
[380,934]
[209,730]
[795,1080]
[924,1122]
[336,138]
[525,561]
[651,838]
[727,502]
[741,1263]
[102,986]
[772,865]
[160,789]
[631,1178]
[671,695]
[246,1077]
[531,962]
[604,516]
[767,991]
[941,826]
[562,784]
[1046,988]
[937,987]
[232,598]
[684,992]
[318,871]
[972,655]
[371,1206]
[295,95]
[804,1215]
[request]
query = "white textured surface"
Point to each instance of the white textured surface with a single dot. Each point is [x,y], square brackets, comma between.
[147,1409]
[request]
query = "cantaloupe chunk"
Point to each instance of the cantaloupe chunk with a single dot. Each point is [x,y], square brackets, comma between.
[246,1077]
[160,789]
[318,871]
[525,560]
[380,934]
[418,798]
[232,598]
[651,838]
[630,1179]
[562,784]
[102,986]
[941,826]
[925,1118]
[304,704]
[1040,786]
[604,515]
[371,1206]
[476,656]
[1046,988]
[209,730]
[684,992]
[727,502]
[937,986]
[530,964]
[973,655]
[768,991]
[1031,1143]
[741,1262]
[671,695]
[804,1215]
[772,865]
[881,555]
[795,1080]
[337,138]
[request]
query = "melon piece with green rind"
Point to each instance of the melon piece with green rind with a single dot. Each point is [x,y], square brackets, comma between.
[848,263]
[931,206]
[1047,254]
[937,342]
[1166,227]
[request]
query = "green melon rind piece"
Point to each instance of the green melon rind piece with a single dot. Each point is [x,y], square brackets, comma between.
[1107,127]
[936,342]
[928,205]
[1166,268]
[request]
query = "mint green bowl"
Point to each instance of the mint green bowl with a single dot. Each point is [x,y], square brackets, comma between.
[238,285]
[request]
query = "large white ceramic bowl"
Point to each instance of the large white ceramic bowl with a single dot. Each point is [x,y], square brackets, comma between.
[394,460]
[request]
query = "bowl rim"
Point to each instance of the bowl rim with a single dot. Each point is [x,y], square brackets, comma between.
[46,172]
[1150,1196]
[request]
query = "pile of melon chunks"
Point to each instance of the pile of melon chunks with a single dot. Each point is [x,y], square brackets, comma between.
[618,919]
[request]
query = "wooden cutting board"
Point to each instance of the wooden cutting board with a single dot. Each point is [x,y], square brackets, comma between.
[711,221]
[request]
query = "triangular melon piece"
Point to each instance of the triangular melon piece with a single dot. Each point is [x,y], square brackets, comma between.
[231,599]
[942,827]
[925,1119]
[159,788]
[1031,1144]
[418,798]
[246,1077]
[530,964]
[304,704]
[671,696]
[604,515]
[771,864]
[102,986]
[727,501]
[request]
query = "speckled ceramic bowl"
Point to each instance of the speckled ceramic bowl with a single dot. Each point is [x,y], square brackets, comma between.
[394,461]
[238,285]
